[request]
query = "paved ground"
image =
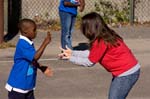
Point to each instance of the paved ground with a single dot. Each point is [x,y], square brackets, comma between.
[75,82]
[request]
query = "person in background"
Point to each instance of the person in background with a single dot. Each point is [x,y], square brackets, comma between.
[22,79]
[108,49]
[68,13]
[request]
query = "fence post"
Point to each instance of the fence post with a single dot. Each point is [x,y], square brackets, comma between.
[14,14]
[131,12]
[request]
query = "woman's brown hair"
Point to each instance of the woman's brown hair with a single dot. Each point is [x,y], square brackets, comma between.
[94,28]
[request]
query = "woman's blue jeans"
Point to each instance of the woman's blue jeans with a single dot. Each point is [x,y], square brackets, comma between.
[121,86]
[67,23]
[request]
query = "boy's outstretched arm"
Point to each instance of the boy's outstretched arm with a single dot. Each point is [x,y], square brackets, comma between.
[45,69]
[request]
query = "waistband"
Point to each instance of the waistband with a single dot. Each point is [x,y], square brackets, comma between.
[10,88]
[131,71]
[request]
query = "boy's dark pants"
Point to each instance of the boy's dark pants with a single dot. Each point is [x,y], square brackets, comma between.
[17,95]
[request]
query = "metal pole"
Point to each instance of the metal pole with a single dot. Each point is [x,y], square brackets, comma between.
[131,12]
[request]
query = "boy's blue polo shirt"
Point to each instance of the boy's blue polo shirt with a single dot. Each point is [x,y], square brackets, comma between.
[72,10]
[23,74]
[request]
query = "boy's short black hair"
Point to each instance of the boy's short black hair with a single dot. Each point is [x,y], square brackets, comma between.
[22,25]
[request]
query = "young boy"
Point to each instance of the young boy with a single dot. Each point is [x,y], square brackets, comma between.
[22,78]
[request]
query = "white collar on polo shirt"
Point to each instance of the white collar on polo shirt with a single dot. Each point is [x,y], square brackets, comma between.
[26,39]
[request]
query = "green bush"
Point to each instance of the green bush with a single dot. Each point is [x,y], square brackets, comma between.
[112,12]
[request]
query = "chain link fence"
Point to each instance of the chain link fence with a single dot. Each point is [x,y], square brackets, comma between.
[142,11]
[113,11]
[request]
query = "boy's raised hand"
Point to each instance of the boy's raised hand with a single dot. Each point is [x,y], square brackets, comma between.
[48,38]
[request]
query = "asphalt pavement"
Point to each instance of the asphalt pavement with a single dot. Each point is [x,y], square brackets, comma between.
[76,82]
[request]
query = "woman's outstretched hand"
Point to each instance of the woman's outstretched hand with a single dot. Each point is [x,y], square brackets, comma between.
[66,53]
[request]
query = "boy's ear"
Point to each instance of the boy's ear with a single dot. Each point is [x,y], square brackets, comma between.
[25,31]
